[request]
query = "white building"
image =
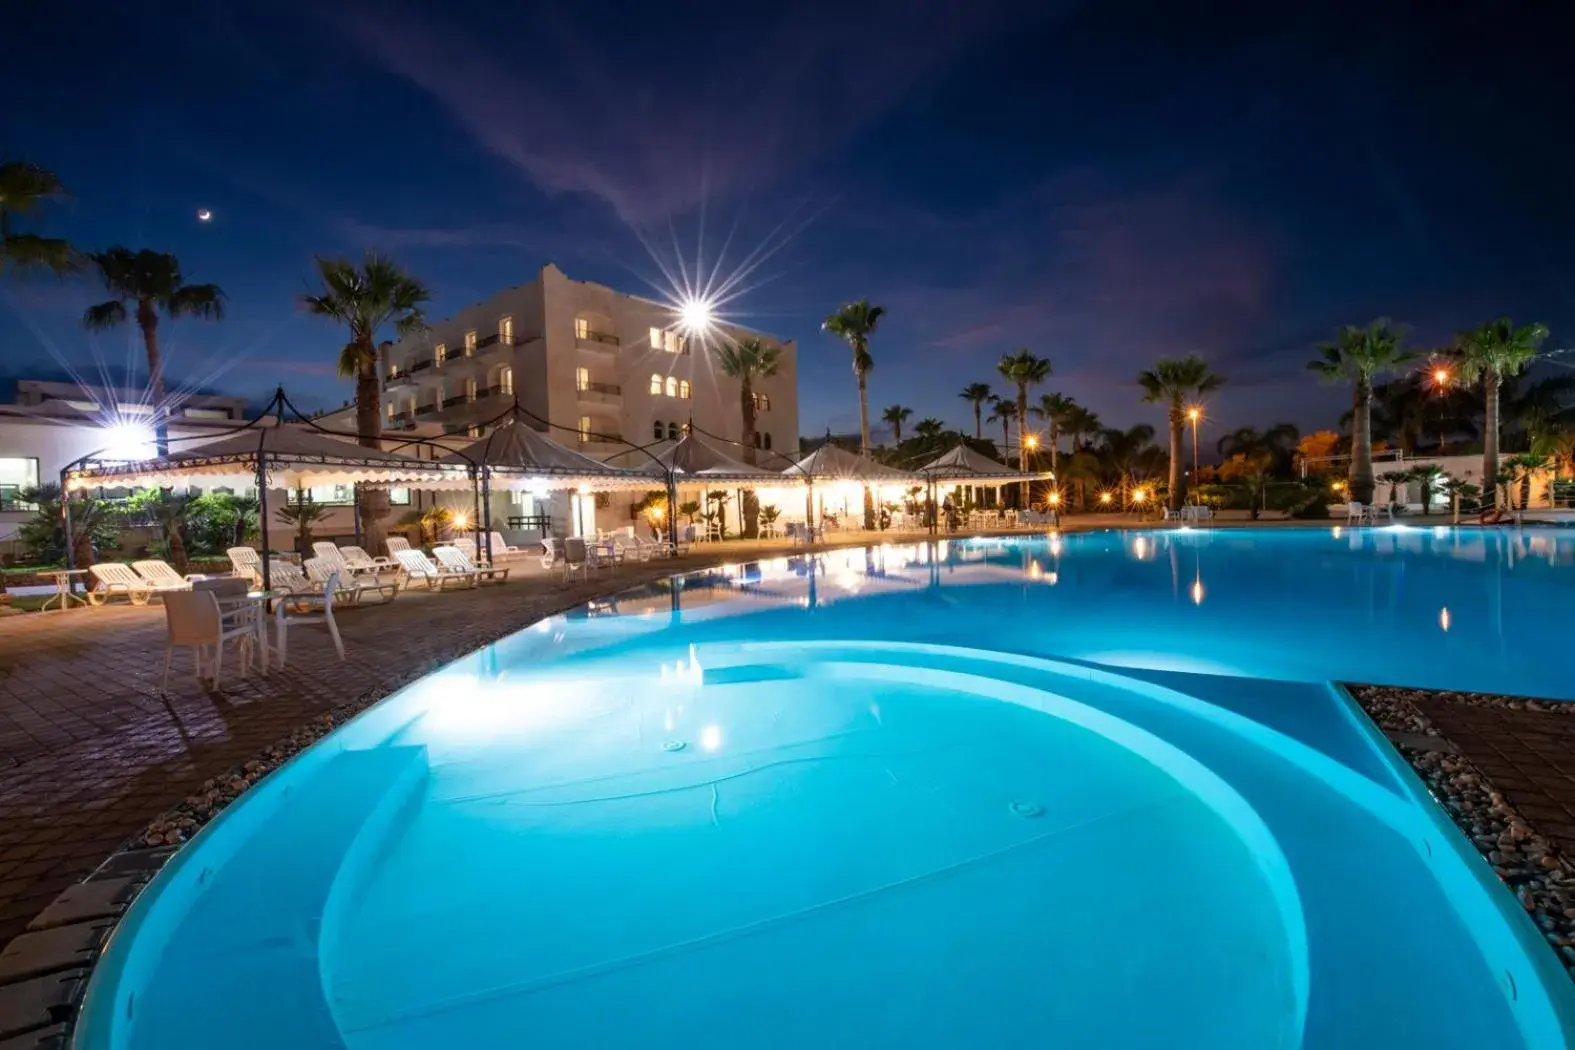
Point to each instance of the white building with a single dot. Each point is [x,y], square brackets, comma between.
[594,368]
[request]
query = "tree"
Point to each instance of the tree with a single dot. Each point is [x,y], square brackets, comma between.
[1254,456]
[928,429]
[152,283]
[896,415]
[1078,422]
[169,512]
[302,514]
[976,394]
[747,360]
[1128,457]
[1003,412]
[24,191]
[1356,356]
[1172,381]
[367,299]
[1056,410]
[1026,370]
[1489,355]
[44,535]
[854,324]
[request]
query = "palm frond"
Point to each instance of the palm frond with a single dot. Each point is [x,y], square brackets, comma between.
[205,301]
[27,253]
[104,316]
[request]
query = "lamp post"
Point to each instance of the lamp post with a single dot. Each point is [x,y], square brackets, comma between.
[1194,414]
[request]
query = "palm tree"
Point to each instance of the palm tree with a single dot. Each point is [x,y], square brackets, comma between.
[1172,382]
[153,284]
[24,190]
[1026,370]
[1356,356]
[929,429]
[976,394]
[854,324]
[746,361]
[1263,454]
[1078,422]
[1003,411]
[1489,355]
[367,299]
[1055,410]
[895,415]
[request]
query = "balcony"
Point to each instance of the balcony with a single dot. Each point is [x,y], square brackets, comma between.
[602,342]
[601,443]
[420,366]
[600,393]
[458,399]
[399,379]
[428,410]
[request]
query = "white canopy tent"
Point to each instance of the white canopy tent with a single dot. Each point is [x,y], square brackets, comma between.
[967,466]
[847,475]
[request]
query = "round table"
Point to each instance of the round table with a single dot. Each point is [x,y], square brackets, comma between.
[63,592]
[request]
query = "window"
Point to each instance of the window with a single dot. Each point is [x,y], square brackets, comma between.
[762,403]
[656,385]
[768,442]
[439,355]
[585,428]
[657,430]
[683,388]
[474,432]
[506,331]
[582,328]
[412,404]
[393,371]
[672,432]
[680,343]
[206,413]
[672,342]
[399,497]
[756,438]
[390,411]
[17,474]
[470,343]
[470,389]
[656,339]
[337,495]
[672,386]
[506,381]
[582,378]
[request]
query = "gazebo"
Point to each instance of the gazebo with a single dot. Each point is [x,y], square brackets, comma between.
[831,465]
[267,454]
[519,456]
[966,466]
[693,461]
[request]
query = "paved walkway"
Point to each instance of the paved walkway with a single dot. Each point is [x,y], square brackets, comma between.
[91,750]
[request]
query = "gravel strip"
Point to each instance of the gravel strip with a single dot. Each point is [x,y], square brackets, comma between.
[1534,868]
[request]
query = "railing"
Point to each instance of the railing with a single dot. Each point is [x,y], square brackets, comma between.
[601,438]
[602,388]
[596,337]
[428,410]
[398,378]
[419,366]
[487,343]
[459,399]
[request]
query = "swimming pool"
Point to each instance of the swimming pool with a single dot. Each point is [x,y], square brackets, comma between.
[1083,791]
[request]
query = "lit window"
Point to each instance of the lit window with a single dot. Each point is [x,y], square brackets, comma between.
[470,343]
[672,431]
[470,389]
[585,428]
[672,386]
[680,343]
[656,339]
[474,432]
[657,430]
[656,385]
[412,404]
[506,381]
[390,411]
[17,475]
[206,413]
[393,373]
[506,331]
[582,378]
[439,354]
[762,403]
[683,388]
[399,497]
[582,328]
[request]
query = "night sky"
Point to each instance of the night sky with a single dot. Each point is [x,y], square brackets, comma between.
[1103,183]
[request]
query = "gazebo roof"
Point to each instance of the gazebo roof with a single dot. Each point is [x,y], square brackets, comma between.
[694,459]
[830,463]
[516,452]
[292,455]
[965,464]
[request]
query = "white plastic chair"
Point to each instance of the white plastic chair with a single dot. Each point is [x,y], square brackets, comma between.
[455,560]
[308,608]
[161,576]
[552,552]
[395,544]
[194,620]
[576,557]
[359,561]
[111,580]
[1354,511]
[246,563]
[418,566]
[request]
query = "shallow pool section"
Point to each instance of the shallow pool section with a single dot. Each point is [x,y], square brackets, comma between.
[661,822]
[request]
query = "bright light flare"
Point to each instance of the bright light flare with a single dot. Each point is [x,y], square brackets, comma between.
[1441,377]
[1139,495]
[461,520]
[697,314]
[128,442]
[204,215]
[1197,592]
[1031,442]
[1194,413]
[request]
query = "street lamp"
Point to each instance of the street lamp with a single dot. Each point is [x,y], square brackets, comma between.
[1194,414]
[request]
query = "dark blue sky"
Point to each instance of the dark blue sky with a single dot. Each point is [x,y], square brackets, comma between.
[1104,183]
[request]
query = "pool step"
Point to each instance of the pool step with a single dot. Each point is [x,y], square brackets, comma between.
[242,969]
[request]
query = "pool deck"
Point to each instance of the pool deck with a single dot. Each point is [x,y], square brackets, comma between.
[91,751]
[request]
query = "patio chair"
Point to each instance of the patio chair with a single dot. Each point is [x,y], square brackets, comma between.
[288,578]
[552,553]
[456,560]
[307,608]
[161,575]
[418,566]
[331,554]
[318,571]
[653,548]
[194,620]
[359,561]
[1354,511]
[245,562]
[628,547]
[576,557]
[395,544]
[112,580]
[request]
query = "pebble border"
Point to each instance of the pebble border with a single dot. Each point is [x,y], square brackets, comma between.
[1533,867]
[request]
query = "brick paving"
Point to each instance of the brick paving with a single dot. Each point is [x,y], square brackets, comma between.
[1527,755]
[91,750]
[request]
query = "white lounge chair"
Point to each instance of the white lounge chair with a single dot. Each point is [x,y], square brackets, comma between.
[319,570]
[161,575]
[395,544]
[502,550]
[113,580]
[654,548]
[360,561]
[246,563]
[418,566]
[195,620]
[335,557]
[455,560]
[307,608]
[552,553]
[630,548]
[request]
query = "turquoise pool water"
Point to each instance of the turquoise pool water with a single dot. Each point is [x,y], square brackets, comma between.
[1082,791]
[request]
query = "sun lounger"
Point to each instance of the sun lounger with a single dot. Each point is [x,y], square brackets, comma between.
[455,560]
[246,563]
[113,580]
[161,576]
[319,570]
[418,566]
